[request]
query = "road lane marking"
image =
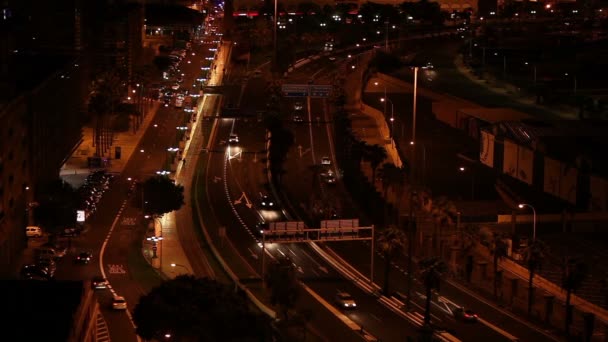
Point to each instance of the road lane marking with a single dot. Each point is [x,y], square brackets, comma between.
[497,329]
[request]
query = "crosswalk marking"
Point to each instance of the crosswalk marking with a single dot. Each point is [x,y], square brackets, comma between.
[102,333]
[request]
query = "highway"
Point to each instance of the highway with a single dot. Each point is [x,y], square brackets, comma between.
[497,324]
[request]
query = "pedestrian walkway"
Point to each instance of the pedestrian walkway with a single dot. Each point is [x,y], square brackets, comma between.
[514,93]
[76,168]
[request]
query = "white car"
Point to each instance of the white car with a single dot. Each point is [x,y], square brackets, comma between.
[325,161]
[345,301]
[119,303]
[233,139]
[298,105]
[33,231]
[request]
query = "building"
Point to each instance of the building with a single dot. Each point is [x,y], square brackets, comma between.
[563,159]
[49,311]
[43,82]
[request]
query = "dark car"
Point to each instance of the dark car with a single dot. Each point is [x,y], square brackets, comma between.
[48,265]
[99,283]
[266,202]
[465,315]
[84,257]
[34,272]
[261,227]
[70,232]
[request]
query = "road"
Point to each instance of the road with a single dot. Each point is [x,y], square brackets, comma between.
[333,195]
[496,318]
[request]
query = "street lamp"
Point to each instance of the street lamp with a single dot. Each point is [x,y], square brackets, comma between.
[392,119]
[179,265]
[523,205]
[463,170]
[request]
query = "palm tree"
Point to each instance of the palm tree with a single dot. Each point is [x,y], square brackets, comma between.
[444,214]
[431,270]
[375,155]
[575,272]
[499,250]
[534,255]
[104,97]
[393,177]
[390,242]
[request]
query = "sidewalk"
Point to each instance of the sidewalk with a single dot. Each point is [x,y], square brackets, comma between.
[511,91]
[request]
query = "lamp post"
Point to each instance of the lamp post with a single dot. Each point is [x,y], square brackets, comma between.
[414,105]
[463,170]
[179,265]
[523,205]
[392,119]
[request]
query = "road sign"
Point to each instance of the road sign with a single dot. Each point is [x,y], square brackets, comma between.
[295,90]
[317,90]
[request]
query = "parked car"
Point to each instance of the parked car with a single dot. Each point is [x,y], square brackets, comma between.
[60,251]
[48,265]
[34,272]
[345,300]
[33,231]
[70,232]
[119,303]
[47,252]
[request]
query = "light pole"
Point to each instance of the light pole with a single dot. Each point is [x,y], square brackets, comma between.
[523,205]
[414,105]
[274,54]
[376,84]
[392,119]
[463,170]
[386,37]
[179,265]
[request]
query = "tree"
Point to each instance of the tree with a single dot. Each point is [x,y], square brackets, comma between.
[375,155]
[393,177]
[281,140]
[198,309]
[575,272]
[105,95]
[390,242]
[56,209]
[534,255]
[444,214]
[431,270]
[283,284]
[160,196]
[499,249]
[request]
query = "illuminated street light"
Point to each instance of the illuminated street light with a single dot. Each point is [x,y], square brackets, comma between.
[179,265]
[523,205]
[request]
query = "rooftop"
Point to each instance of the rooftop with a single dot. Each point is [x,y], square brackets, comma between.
[40,310]
[159,15]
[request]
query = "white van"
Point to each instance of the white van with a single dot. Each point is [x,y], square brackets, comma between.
[33,231]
